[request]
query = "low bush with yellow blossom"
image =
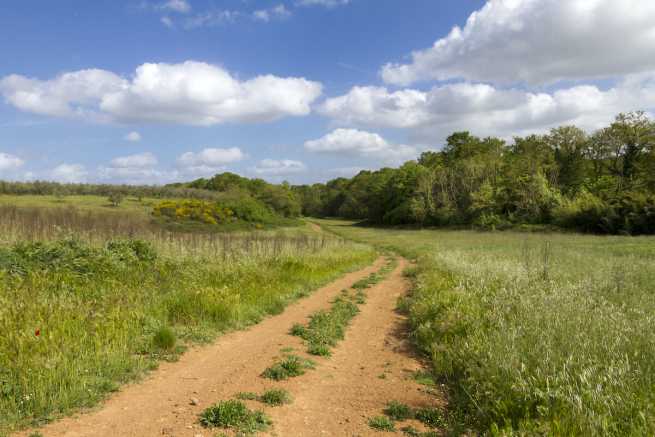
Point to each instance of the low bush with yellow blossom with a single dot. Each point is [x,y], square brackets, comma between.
[194,210]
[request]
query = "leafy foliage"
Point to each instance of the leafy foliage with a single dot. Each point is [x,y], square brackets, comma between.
[601,183]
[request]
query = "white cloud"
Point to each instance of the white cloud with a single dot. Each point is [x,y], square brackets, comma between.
[487,110]
[376,106]
[133,137]
[208,161]
[212,18]
[69,173]
[136,169]
[168,22]
[361,143]
[266,15]
[192,93]
[140,160]
[281,167]
[68,95]
[539,41]
[181,6]
[327,3]
[10,162]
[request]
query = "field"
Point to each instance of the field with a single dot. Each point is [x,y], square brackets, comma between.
[530,333]
[91,299]
[548,334]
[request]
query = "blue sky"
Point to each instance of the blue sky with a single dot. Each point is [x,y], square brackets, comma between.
[304,90]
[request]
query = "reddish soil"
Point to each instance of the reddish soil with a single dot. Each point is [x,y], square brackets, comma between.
[335,399]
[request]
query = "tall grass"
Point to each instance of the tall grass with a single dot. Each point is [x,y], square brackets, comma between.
[534,333]
[88,302]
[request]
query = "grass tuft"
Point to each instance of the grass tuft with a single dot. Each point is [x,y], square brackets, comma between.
[276,397]
[235,415]
[290,367]
[382,423]
[164,339]
[398,411]
[246,396]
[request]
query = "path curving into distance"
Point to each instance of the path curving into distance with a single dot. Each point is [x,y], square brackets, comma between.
[335,399]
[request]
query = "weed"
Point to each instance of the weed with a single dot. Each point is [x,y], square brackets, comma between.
[246,396]
[235,415]
[430,417]
[410,431]
[398,411]
[382,423]
[424,378]
[164,338]
[276,397]
[290,367]
[298,330]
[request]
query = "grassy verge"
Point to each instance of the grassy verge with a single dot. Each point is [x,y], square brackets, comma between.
[534,334]
[326,328]
[80,318]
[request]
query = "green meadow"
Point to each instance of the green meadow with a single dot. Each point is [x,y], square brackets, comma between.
[533,333]
[90,300]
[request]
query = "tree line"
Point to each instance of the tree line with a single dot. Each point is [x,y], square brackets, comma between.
[602,182]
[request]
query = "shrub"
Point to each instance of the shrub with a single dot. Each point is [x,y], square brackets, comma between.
[164,338]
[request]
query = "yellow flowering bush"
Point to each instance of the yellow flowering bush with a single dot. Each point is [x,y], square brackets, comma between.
[194,210]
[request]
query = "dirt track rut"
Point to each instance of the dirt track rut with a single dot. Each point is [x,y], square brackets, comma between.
[335,399]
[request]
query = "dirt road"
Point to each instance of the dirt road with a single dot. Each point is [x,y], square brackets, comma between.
[335,399]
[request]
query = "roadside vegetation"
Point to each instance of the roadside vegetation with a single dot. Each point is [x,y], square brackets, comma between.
[327,327]
[90,300]
[546,334]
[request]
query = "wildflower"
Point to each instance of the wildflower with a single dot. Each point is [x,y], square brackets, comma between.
[37,332]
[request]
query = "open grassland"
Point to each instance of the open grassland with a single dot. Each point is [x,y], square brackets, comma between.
[90,300]
[86,203]
[534,333]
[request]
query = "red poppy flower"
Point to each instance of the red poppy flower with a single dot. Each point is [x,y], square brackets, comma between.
[37,332]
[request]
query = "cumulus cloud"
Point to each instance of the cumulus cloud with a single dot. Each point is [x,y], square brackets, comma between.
[10,162]
[208,161]
[136,169]
[193,93]
[539,41]
[70,94]
[281,167]
[361,143]
[487,110]
[140,160]
[133,137]
[69,173]
[266,15]
[377,106]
